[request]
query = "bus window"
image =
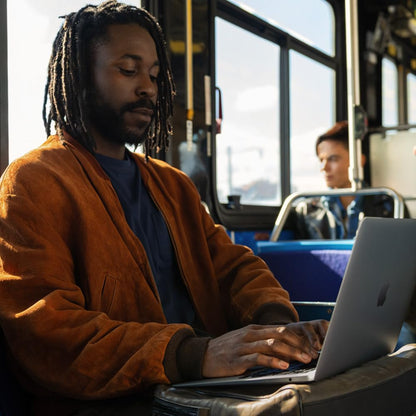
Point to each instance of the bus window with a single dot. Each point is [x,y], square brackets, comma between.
[32,26]
[294,17]
[312,106]
[252,158]
[390,93]
[248,158]
[411,98]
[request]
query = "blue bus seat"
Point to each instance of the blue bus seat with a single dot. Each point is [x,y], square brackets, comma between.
[309,270]
[309,311]
[312,271]
[251,238]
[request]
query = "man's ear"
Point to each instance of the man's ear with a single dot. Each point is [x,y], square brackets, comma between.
[363,160]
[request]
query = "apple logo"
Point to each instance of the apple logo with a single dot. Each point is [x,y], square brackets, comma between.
[383,294]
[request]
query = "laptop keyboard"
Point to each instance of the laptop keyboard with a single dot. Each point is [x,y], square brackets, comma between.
[294,367]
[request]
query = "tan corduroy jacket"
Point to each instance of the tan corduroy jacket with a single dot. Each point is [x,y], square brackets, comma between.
[78,304]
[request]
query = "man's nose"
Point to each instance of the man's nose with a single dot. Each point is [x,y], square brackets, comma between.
[324,165]
[146,86]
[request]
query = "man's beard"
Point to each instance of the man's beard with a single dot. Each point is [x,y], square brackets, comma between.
[110,123]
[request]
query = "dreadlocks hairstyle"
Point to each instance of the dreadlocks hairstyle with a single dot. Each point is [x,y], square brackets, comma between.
[68,72]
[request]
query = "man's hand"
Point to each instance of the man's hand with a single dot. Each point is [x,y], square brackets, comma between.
[265,345]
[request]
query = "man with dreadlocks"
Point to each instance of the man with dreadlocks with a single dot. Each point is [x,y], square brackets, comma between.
[113,276]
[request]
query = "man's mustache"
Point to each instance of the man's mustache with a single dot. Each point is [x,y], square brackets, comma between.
[142,103]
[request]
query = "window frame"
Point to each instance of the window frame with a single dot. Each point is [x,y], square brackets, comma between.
[263,217]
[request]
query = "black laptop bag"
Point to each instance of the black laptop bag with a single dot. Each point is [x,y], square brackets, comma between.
[386,386]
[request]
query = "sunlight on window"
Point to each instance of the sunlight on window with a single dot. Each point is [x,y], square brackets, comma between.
[312,113]
[389,93]
[248,161]
[411,98]
[32,27]
[294,17]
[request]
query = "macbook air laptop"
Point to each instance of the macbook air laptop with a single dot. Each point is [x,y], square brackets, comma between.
[370,309]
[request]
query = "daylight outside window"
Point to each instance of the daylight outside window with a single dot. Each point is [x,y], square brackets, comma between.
[294,17]
[411,98]
[248,148]
[32,27]
[248,157]
[389,93]
[312,106]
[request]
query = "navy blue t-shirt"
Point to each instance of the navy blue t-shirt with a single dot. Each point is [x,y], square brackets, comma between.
[147,222]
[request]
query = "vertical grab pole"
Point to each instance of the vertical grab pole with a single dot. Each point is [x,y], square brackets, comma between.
[189,75]
[353,91]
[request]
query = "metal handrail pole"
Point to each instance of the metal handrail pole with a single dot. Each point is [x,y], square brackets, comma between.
[287,204]
[283,214]
[353,91]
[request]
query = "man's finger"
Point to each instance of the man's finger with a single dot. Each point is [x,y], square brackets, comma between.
[288,348]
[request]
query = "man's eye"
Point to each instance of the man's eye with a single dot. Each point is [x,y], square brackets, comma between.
[127,71]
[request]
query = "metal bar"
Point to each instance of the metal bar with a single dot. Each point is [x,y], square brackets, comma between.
[287,204]
[400,127]
[189,75]
[353,91]
[285,161]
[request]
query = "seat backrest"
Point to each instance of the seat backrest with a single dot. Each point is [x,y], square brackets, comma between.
[308,270]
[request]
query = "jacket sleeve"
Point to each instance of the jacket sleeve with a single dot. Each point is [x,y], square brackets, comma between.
[230,286]
[249,290]
[58,344]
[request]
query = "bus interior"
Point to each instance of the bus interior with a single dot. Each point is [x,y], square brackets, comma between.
[257,81]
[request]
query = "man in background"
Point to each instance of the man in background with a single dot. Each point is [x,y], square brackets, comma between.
[333,217]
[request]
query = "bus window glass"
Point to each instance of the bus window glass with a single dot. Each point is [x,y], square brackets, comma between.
[294,17]
[312,112]
[411,98]
[248,145]
[32,27]
[390,93]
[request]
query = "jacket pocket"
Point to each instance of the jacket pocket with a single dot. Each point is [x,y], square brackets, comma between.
[108,293]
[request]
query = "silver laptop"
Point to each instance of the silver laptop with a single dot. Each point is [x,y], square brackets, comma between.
[370,309]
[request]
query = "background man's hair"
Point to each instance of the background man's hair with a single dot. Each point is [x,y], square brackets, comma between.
[69,72]
[338,132]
